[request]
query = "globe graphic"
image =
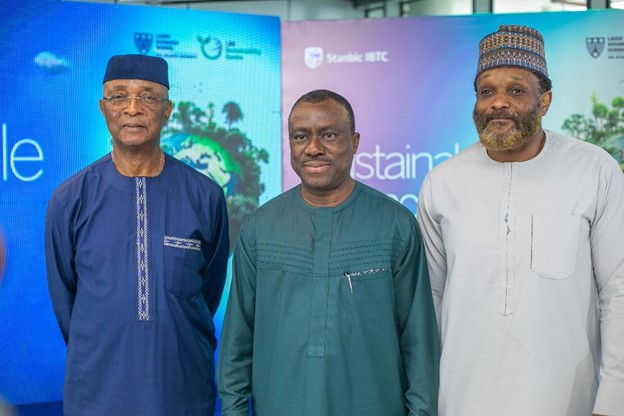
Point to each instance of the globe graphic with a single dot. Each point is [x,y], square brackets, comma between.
[206,156]
[235,169]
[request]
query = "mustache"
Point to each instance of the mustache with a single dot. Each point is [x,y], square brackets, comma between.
[315,159]
[482,119]
[496,114]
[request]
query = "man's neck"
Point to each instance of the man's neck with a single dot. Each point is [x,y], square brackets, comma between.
[329,199]
[138,163]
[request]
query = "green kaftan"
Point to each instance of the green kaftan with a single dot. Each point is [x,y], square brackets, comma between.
[330,312]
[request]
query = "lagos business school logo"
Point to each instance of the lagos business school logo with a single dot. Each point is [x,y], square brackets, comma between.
[609,47]
[143,42]
[314,57]
[210,47]
[595,46]
[163,45]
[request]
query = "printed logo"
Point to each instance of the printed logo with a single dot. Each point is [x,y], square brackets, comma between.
[595,46]
[211,47]
[313,56]
[143,42]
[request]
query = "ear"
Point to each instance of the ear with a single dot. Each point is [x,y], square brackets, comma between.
[355,141]
[168,111]
[102,108]
[544,102]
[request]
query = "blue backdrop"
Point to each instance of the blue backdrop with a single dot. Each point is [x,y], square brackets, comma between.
[224,82]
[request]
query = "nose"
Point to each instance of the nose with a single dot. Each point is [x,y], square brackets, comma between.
[133,106]
[314,146]
[500,100]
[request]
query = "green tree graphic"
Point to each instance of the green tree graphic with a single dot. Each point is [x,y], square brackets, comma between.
[233,113]
[604,128]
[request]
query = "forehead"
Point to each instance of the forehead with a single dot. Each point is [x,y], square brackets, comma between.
[327,110]
[133,85]
[507,74]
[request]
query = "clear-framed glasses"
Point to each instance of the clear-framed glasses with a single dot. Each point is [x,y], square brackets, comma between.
[145,101]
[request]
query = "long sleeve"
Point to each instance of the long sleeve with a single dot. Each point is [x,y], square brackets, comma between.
[59,254]
[607,245]
[214,274]
[234,367]
[419,338]
[434,245]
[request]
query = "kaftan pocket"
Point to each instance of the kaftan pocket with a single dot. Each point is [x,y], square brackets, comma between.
[554,245]
[369,300]
[182,260]
[361,276]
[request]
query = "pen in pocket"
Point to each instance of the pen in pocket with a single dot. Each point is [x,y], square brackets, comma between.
[348,277]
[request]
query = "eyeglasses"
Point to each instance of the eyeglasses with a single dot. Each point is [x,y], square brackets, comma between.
[121,101]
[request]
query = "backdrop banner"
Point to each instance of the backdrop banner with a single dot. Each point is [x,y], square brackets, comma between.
[410,82]
[224,71]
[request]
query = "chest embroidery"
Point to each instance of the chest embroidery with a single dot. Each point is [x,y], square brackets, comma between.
[142,254]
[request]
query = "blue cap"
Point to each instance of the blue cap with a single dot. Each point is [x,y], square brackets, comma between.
[135,66]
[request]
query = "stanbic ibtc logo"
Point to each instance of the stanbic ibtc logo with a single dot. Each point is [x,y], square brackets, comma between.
[313,56]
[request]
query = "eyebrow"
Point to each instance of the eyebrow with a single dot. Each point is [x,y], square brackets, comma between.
[321,129]
[485,82]
[123,87]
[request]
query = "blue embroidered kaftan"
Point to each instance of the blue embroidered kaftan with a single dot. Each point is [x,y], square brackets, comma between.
[136,269]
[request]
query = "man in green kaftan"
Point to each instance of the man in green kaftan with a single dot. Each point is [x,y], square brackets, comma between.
[330,310]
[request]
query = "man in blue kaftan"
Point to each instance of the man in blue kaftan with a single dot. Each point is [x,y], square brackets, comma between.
[136,254]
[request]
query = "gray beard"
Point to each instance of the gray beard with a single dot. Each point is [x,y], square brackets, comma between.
[518,137]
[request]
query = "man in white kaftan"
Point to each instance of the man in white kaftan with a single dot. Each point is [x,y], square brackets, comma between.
[525,241]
